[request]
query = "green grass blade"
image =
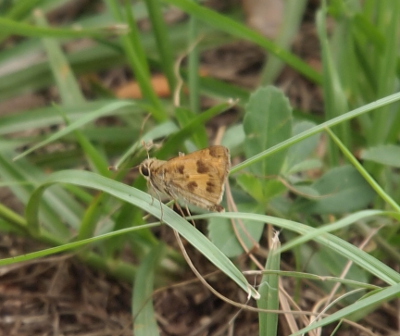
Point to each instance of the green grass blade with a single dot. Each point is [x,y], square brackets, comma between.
[75,245]
[340,224]
[24,29]
[378,189]
[164,46]
[349,251]
[137,58]
[303,135]
[178,138]
[335,99]
[373,300]
[269,291]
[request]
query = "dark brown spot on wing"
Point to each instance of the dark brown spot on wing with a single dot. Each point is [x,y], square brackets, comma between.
[181,169]
[210,187]
[192,186]
[217,151]
[201,167]
[217,207]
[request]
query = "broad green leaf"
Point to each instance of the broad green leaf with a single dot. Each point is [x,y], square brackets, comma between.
[234,137]
[268,121]
[303,149]
[306,192]
[342,189]
[305,165]
[388,155]
[225,236]
[252,186]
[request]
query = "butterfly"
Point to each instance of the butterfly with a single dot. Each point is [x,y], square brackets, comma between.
[197,178]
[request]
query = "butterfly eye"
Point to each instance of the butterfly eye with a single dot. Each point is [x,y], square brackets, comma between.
[144,171]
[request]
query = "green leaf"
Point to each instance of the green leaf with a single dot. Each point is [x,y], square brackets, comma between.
[305,165]
[388,155]
[225,236]
[234,137]
[252,186]
[268,121]
[342,189]
[198,135]
[300,151]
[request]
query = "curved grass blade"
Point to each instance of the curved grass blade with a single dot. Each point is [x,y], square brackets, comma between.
[145,202]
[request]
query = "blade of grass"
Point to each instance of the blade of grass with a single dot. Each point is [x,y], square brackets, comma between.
[269,291]
[164,46]
[383,119]
[75,245]
[12,27]
[302,275]
[303,135]
[335,100]
[340,246]
[194,65]
[21,8]
[379,190]
[144,201]
[188,129]
[373,300]
[137,58]
[337,225]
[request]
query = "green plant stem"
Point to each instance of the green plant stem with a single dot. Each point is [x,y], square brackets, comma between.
[379,190]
